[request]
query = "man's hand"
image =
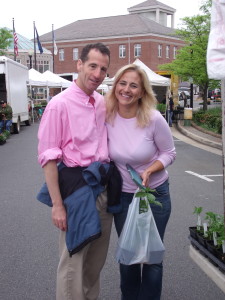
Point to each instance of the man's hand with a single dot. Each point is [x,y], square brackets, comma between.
[59,217]
[58,209]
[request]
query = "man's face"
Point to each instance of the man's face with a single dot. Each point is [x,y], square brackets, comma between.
[92,72]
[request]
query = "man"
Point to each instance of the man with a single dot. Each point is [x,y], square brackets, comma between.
[49,96]
[72,130]
[171,106]
[5,116]
[164,99]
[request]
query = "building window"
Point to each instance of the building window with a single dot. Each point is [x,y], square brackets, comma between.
[61,54]
[137,50]
[42,65]
[122,51]
[159,50]
[174,52]
[167,51]
[75,54]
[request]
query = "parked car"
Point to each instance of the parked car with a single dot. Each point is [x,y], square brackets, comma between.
[216,94]
[182,96]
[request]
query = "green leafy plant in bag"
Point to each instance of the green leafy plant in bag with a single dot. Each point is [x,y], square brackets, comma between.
[146,196]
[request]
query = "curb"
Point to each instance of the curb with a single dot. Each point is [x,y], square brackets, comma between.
[198,138]
[213,272]
[206,131]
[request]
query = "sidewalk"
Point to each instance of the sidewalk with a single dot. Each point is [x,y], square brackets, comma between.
[198,134]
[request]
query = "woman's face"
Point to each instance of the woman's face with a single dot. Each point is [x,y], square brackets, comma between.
[129,89]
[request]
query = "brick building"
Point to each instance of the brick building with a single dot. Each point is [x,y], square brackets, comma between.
[143,34]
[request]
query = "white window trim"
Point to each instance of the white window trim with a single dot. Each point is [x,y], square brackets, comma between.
[61,55]
[174,52]
[167,51]
[122,51]
[159,50]
[75,53]
[137,48]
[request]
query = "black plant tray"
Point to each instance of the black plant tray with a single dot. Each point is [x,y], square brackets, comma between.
[209,255]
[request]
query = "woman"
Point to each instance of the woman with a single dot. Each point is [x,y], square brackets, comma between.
[140,136]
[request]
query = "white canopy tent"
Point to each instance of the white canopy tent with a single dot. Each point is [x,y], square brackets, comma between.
[103,88]
[36,79]
[47,79]
[154,78]
[56,80]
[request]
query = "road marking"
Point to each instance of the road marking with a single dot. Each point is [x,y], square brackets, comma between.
[200,176]
[219,175]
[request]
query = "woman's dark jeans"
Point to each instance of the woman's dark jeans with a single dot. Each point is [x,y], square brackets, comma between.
[144,282]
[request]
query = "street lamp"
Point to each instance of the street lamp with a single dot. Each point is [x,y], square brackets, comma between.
[191,81]
[30,53]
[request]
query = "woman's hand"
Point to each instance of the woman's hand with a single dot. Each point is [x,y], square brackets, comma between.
[155,167]
[145,176]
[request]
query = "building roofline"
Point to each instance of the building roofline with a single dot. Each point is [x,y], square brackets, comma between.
[115,37]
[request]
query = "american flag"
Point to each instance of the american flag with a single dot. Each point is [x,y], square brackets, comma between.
[15,43]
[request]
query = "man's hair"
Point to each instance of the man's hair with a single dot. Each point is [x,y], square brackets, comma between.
[98,46]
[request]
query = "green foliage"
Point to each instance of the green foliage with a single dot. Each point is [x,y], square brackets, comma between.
[210,119]
[191,59]
[6,133]
[197,210]
[146,196]
[215,223]
[5,40]
[161,107]
[2,137]
[206,7]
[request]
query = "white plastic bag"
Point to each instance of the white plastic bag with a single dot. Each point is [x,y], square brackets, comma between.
[216,43]
[139,241]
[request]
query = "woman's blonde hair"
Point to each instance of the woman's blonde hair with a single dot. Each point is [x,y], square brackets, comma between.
[145,104]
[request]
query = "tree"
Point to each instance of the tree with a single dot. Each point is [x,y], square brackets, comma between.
[5,40]
[190,63]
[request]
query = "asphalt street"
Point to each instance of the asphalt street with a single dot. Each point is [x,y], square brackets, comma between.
[29,242]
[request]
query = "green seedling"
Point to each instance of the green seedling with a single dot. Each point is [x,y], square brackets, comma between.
[198,211]
[146,197]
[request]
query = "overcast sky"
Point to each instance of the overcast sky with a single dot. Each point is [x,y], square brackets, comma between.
[48,12]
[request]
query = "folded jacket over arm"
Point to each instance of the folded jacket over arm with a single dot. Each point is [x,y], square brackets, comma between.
[80,188]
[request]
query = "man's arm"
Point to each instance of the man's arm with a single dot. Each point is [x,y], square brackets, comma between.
[58,209]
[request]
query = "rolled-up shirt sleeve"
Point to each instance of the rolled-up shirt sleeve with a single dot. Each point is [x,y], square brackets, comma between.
[164,142]
[50,136]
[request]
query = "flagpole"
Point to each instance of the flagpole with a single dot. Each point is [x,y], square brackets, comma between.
[53,50]
[35,56]
[14,40]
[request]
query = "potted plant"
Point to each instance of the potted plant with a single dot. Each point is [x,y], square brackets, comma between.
[216,243]
[2,139]
[6,133]
[194,230]
[209,239]
[161,107]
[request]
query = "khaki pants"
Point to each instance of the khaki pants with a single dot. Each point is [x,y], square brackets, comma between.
[78,276]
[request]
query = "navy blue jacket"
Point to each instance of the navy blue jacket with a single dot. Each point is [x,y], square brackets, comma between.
[80,187]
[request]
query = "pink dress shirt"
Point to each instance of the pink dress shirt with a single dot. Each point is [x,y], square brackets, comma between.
[72,130]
